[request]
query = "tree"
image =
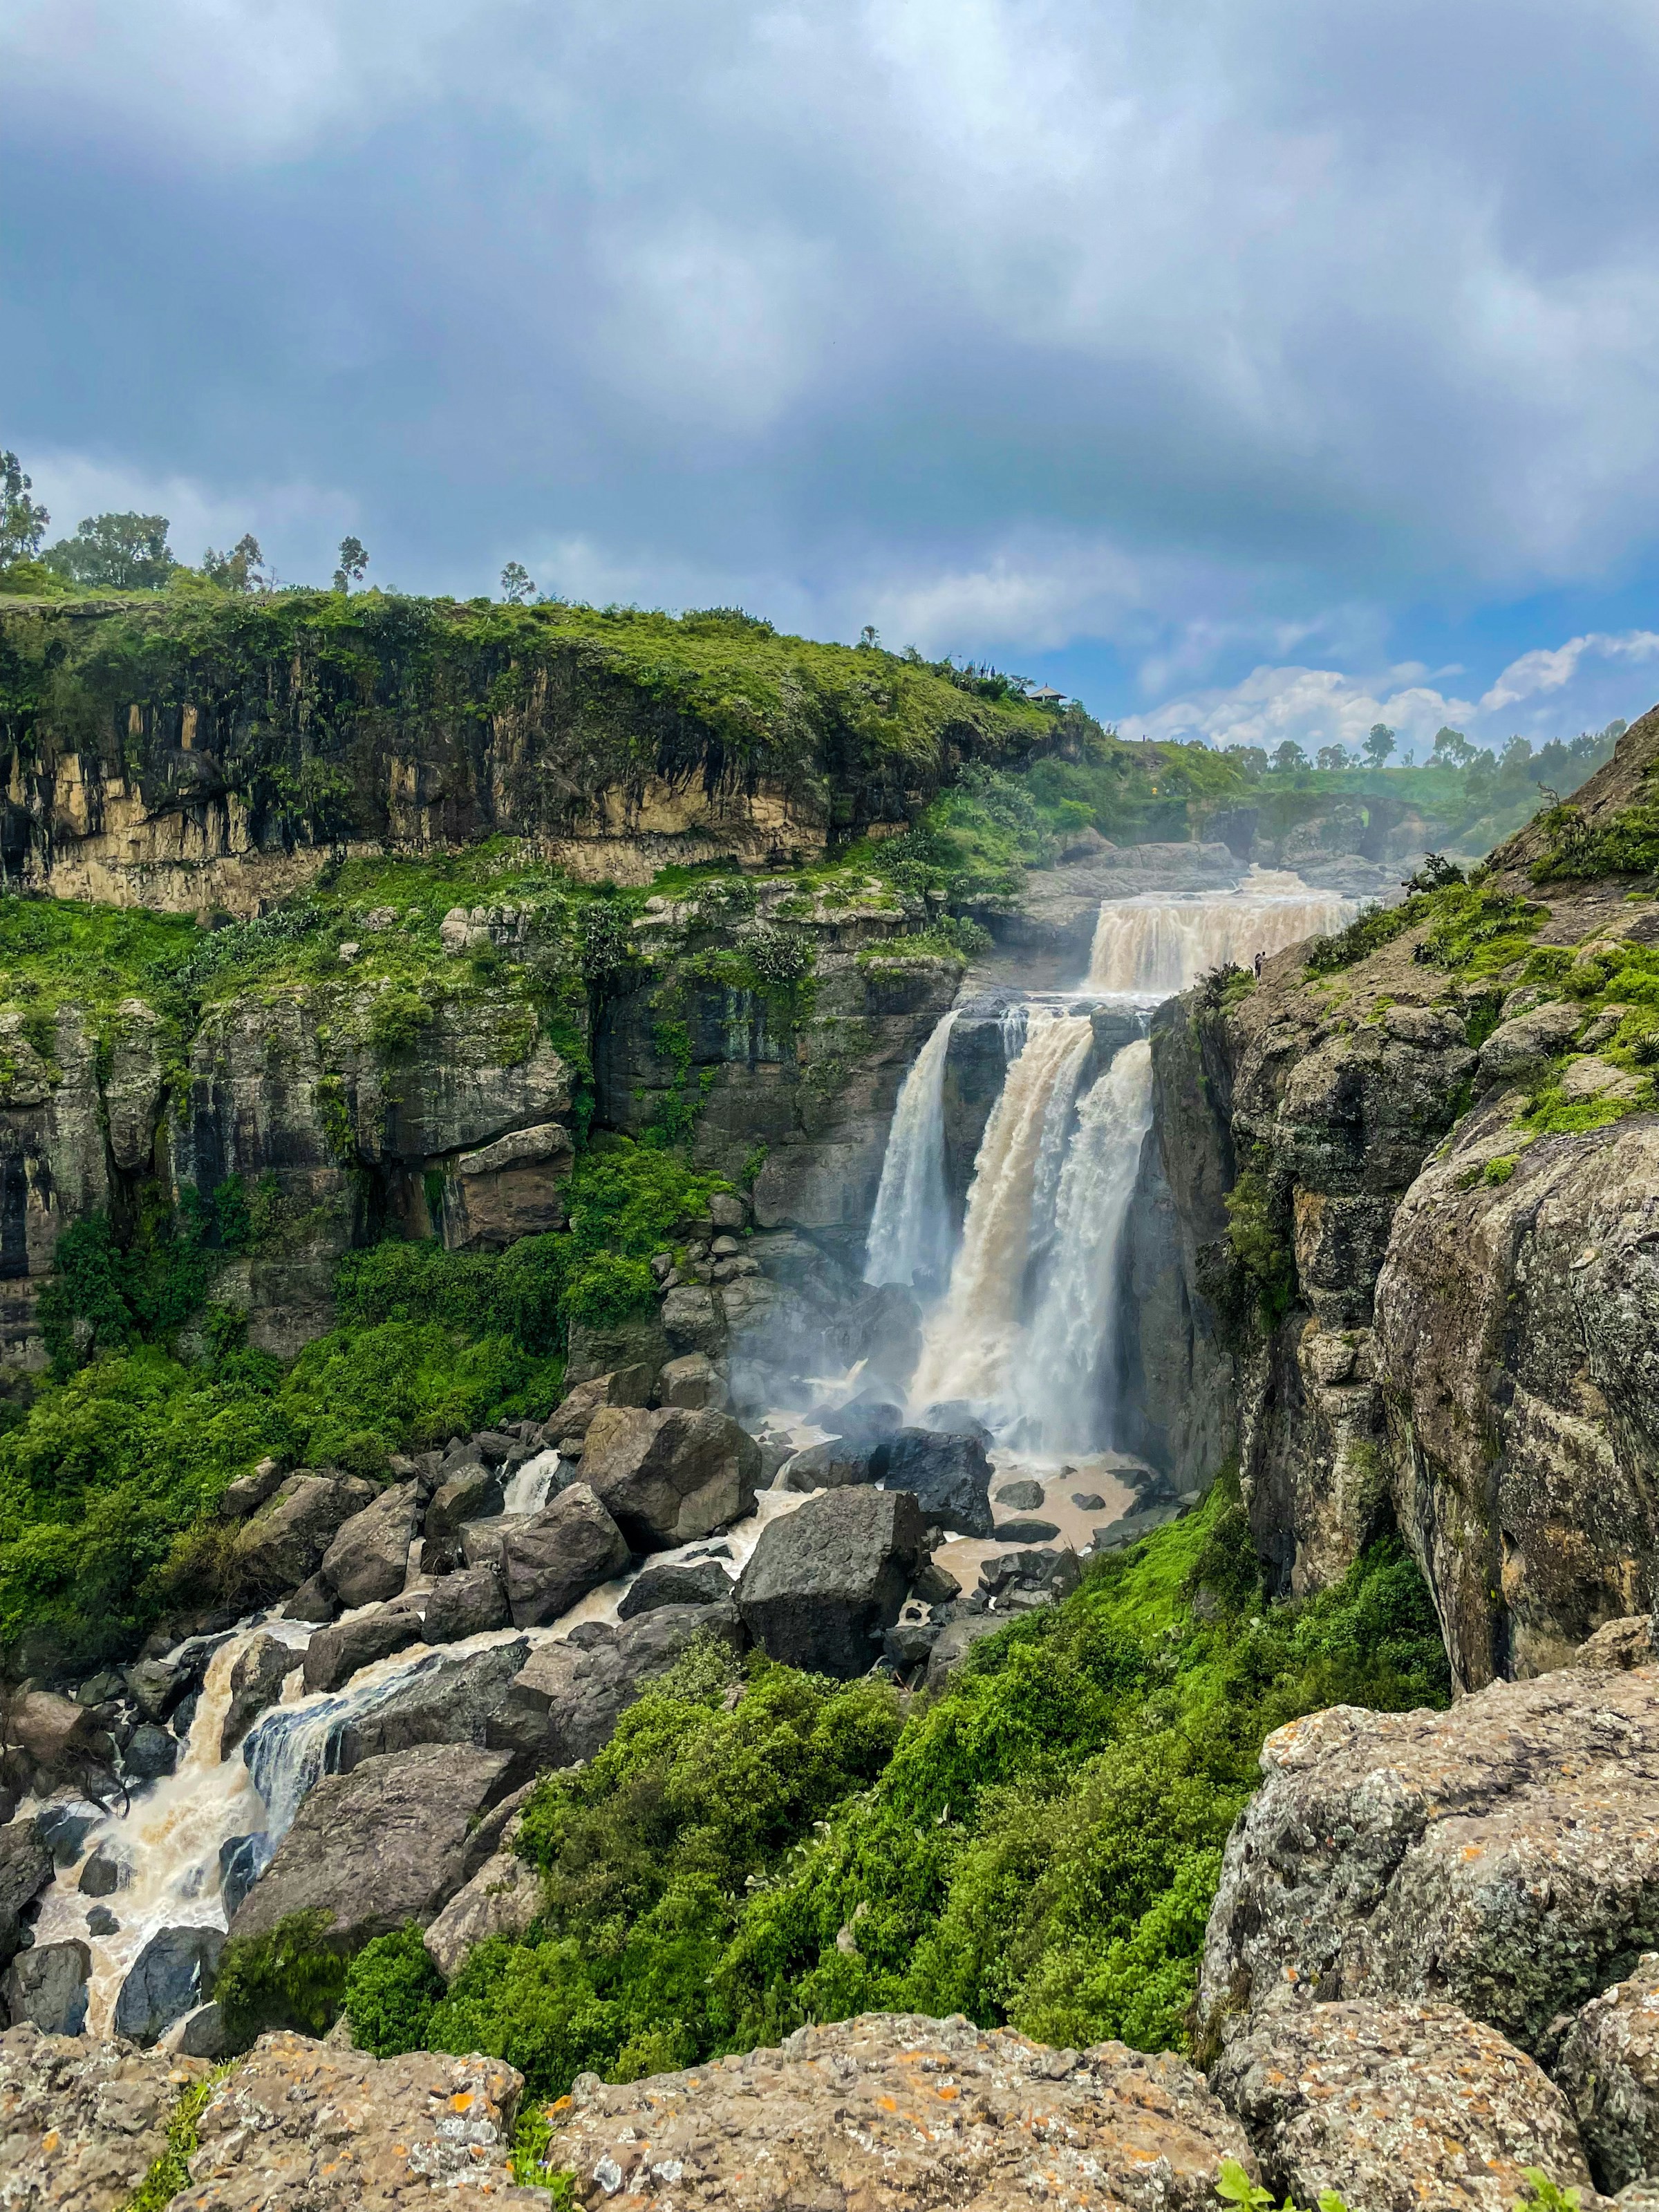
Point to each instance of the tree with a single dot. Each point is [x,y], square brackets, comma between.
[239,569]
[869,639]
[1289,756]
[354,560]
[1332,756]
[1451,748]
[516,586]
[1379,743]
[1250,760]
[118,552]
[22,519]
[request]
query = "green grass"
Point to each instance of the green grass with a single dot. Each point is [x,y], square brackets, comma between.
[170,2173]
[1038,1845]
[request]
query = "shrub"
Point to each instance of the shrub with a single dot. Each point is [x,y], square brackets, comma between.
[287,1977]
[391,1987]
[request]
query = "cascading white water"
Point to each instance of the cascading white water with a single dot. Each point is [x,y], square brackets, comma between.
[1153,946]
[971,1333]
[910,1231]
[1066,1378]
[529,1486]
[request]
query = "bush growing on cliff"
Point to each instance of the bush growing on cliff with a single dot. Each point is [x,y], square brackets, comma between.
[1038,1845]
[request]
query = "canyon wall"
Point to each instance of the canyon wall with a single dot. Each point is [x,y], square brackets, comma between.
[1417,1205]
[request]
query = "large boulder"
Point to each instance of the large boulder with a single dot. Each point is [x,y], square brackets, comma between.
[467,1602]
[949,1476]
[1502,1857]
[256,1684]
[565,1701]
[570,1418]
[48,1985]
[1378,2102]
[389,1843]
[1608,2065]
[687,1581]
[837,1465]
[892,2109]
[305,2125]
[283,1544]
[335,1655]
[558,1555]
[368,1560]
[472,1492]
[693,1381]
[825,1581]
[440,1698]
[172,1975]
[25,1870]
[670,1476]
[82,2122]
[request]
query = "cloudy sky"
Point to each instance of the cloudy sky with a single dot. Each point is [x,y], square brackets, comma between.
[1254,367]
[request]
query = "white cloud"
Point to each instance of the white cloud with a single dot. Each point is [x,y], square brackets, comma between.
[1580,685]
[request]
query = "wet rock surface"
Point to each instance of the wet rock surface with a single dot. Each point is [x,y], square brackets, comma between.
[256,1683]
[334,1655]
[46,1985]
[172,1975]
[893,2110]
[390,1842]
[466,1603]
[949,1476]
[1394,2107]
[558,1555]
[283,1544]
[1503,1856]
[368,1559]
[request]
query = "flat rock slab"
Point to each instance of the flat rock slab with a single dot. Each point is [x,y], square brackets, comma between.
[893,2110]
[301,2125]
[1397,2107]
[80,2123]
[1503,1856]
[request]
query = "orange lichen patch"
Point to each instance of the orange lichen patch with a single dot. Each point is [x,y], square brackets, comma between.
[559,2105]
[888,2104]
[462,2101]
[947,2093]
[50,2141]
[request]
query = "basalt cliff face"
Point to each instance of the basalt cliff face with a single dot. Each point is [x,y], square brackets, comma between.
[1416,1183]
[186,754]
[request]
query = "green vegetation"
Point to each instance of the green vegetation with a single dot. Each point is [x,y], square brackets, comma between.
[170,2173]
[1038,1845]
[1234,2186]
[287,1977]
[1626,845]
[110,1479]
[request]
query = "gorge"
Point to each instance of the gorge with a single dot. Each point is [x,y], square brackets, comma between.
[642,1421]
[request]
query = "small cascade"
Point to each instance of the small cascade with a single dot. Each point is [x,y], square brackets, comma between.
[1066,1381]
[169,1841]
[970,1336]
[530,1486]
[910,1231]
[1153,946]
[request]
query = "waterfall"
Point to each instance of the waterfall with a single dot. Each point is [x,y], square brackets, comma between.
[1154,946]
[971,1334]
[910,1228]
[1068,1375]
[529,1487]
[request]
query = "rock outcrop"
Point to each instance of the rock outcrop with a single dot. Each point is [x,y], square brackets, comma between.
[823,1584]
[1400,1303]
[82,2122]
[1502,1857]
[1608,2066]
[1384,2104]
[890,2110]
[668,1477]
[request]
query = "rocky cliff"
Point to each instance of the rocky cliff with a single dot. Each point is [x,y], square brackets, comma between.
[1413,1172]
[200,749]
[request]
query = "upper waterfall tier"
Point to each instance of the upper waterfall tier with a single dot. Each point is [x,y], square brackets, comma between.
[1154,945]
